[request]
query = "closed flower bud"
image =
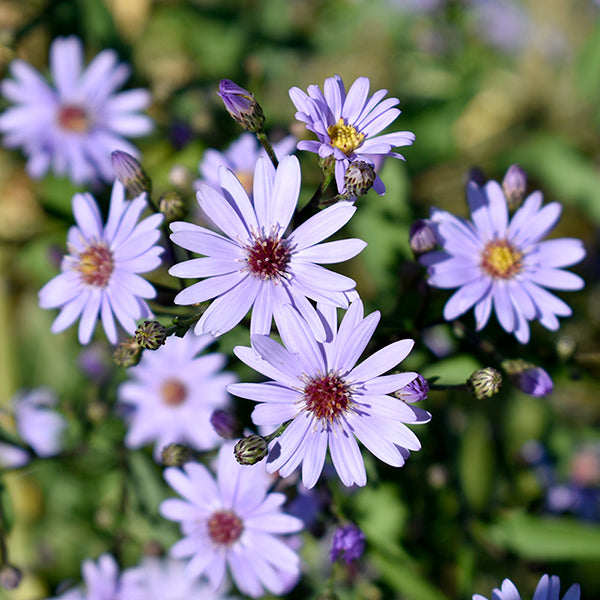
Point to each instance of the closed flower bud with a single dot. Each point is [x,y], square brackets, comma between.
[128,353]
[10,577]
[172,205]
[151,335]
[250,450]
[176,455]
[130,173]
[421,237]
[485,383]
[225,424]
[527,377]
[241,105]
[416,390]
[348,543]
[358,179]
[514,185]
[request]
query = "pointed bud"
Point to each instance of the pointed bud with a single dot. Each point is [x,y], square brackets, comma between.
[514,185]
[250,450]
[241,105]
[416,390]
[128,353]
[10,577]
[348,543]
[172,205]
[225,424]
[151,335]
[129,172]
[527,377]
[421,237]
[176,455]
[358,179]
[485,383]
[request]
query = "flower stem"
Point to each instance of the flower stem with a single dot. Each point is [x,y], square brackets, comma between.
[262,138]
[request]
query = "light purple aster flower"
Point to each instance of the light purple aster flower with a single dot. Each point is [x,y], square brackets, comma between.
[232,524]
[173,392]
[348,125]
[158,579]
[73,125]
[504,264]
[330,400]
[255,264]
[240,158]
[100,274]
[548,588]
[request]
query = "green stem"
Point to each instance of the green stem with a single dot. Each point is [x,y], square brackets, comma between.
[269,438]
[262,138]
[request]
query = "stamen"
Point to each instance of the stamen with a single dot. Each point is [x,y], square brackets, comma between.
[327,397]
[268,257]
[345,137]
[95,264]
[73,118]
[501,259]
[224,527]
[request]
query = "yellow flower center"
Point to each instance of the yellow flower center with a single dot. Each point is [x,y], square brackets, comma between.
[345,137]
[501,259]
[96,264]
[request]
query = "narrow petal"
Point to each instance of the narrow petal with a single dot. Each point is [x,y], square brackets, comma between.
[383,360]
[346,458]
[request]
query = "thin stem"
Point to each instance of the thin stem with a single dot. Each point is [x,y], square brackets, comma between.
[262,138]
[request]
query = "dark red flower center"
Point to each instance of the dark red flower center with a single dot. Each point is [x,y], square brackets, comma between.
[224,527]
[173,392]
[327,397]
[268,257]
[501,259]
[73,118]
[96,264]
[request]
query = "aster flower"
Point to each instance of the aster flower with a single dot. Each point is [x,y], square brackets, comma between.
[100,274]
[173,392]
[329,400]
[240,157]
[348,125]
[501,264]
[548,588]
[232,524]
[255,264]
[348,543]
[73,124]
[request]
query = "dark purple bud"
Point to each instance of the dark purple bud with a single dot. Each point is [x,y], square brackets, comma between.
[514,185]
[129,172]
[225,424]
[416,390]
[421,237]
[241,105]
[530,379]
[348,543]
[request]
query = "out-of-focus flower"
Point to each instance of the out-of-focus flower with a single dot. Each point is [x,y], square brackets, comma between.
[548,588]
[416,390]
[329,399]
[527,377]
[240,158]
[348,125]
[225,424]
[12,457]
[100,274]
[421,237]
[348,543]
[174,392]
[255,265]
[130,173]
[232,524]
[504,264]
[241,105]
[10,577]
[73,125]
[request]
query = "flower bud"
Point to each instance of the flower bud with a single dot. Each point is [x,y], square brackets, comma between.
[485,383]
[225,424]
[250,450]
[527,377]
[348,543]
[130,173]
[10,577]
[358,179]
[514,185]
[241,105]
[151,335]
[172,205]
[128,353]
[414,391]
[176,455]
[421,237]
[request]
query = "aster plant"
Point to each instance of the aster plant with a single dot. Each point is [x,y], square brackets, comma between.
[99,276]
[548,588]
[348,125]
[255,263]
[232,524]
[328,400]
[504,264]
[72,125]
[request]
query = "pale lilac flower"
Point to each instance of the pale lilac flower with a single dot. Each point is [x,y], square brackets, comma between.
[72,125]
[548,588]
[504,264]
[255,264]
[173,392]
[100,274]
[232,524]
[329,399]
[162,578]
[348,543]
[12,457]
[348,125]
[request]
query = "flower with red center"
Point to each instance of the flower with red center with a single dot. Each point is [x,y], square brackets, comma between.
[100,274]
[73,124]
[503,264]
[173,392]
[232,524]
[330,401]
[256,264]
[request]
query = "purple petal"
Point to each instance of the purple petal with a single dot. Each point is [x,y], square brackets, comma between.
[383,360]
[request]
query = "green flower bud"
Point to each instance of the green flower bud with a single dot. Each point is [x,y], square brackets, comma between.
[250,450]
[151,335]
[485,383]
[129,172]
[176,455]
[128,353]
[172,205]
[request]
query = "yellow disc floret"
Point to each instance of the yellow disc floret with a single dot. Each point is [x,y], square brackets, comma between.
[501,259]
[345,137]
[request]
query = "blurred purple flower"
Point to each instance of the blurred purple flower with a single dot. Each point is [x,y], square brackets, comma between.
[173,392]
[548,588]
[330,401]
[255,265]
[232,524]
[348,125]
[348,543]
[74,126]
[503,264]
[100,274]
[534,381]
